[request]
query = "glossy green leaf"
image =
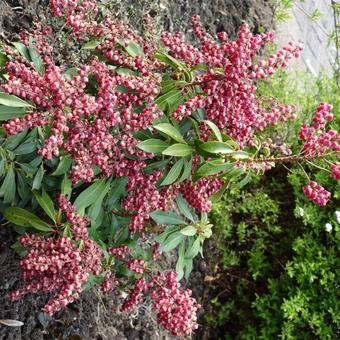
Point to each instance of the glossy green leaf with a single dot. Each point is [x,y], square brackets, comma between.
[25,148]
[8,188]
[3,59]
[212,167]
[91,45]
[13,141]
[188,263]
[23,50]
[170,131]
[46,204]
[187,167]
[155,146]
[90,194]
[184,208]
[7,112]
[240,155]
[216,147]
[134,49]
[169,230]
[156,165]
[66,186]
[172,241]
[12,101]
[24,218]
[37,60]
[214,129]
[173,173]
[194,249]
[168,98]
[38,178]
[189,231]
[178,150]
[169,218]
[63,166]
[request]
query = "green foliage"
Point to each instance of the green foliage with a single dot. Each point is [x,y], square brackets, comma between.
[279,261]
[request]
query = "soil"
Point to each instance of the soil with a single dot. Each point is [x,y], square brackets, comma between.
[95,316]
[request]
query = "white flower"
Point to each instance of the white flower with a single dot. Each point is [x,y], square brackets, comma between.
[301,211]
[337,214]
[328,227]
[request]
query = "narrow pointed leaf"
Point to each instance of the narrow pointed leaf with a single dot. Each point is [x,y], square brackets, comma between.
[174,172]
[178,150]
[153,145]
[170,131]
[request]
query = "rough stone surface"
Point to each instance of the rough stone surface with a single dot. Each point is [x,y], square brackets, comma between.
[318,54]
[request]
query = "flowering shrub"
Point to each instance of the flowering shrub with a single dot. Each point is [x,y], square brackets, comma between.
[133,142]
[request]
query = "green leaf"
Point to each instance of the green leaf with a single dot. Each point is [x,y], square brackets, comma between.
[212,167]
[189,231]
[13,141]
[188,267]
[214,129]
[167,59]
[70,73]
[124,71]
[187,167]
[117,191]
[178,150]
[184,208]
[169,230]
[153,145]
[216,147]
[46,204]
[90,194]
[38,178]
[2,167]
[134,49]
[172,241]
[3,59]
[245,180]
[24,218]
[23,50]
[156,165]
[25,148]
[8,187]
[173,174]
[12,101]
[240,155]
[180,261]
[91,45]
[170,218]
[7,112]
[66,186]
[37,60]
[194,250]
[63,166]
[169,98]
[170,131]
[22,187]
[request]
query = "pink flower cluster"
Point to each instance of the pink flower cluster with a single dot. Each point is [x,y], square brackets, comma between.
[335,170]
[197,194]
[175,308]
[316,193]
[231,102]
[317,140]
[60,264]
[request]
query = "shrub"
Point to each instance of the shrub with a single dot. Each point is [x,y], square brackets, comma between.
[283,246]
[131,142]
